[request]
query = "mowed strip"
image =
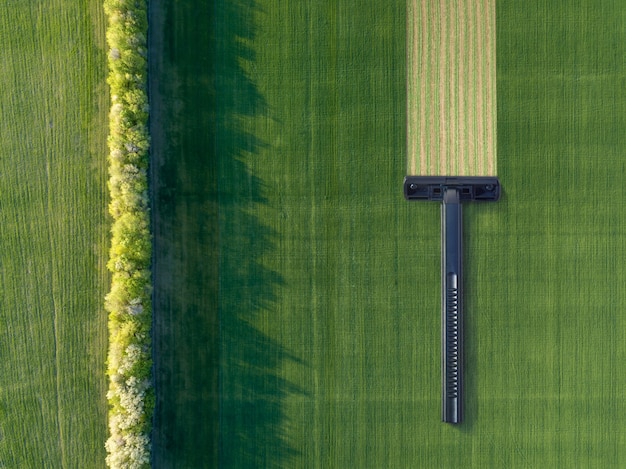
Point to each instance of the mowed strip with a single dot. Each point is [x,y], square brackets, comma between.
[451,87]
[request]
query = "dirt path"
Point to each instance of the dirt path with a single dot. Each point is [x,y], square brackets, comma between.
[451,103]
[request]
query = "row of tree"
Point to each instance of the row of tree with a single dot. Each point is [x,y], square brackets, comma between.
[130,395]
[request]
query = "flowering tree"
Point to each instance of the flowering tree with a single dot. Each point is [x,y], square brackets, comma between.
[130,395]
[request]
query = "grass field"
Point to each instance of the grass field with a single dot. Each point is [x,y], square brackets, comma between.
[328,284]
[186,251]
[296,292]
[53,232]
[316,342]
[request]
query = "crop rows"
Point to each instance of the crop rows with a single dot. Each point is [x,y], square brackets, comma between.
[451,87]
[53,234]
[325,337]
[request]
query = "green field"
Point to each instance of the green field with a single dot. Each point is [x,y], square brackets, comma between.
[185,266]
[54,234]
[296,305]
[328,293]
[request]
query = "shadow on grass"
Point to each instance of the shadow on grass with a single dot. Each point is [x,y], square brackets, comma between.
[220,394]
[252,420]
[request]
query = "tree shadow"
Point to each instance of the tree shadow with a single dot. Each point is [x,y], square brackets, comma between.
[252,420]
[220,392]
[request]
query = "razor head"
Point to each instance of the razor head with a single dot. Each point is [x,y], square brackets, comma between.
[468,187]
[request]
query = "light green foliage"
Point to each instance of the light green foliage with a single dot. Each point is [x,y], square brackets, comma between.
[53,234]
[128,303]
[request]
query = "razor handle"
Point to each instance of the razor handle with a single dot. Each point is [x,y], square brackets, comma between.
[451,192]
[452,306]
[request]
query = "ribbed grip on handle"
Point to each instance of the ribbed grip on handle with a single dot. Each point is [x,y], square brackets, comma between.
[452,353]
[453,339]
[452,307]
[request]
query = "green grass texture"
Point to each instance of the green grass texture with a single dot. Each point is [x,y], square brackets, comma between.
[185,226]
[53,234]
[301,319]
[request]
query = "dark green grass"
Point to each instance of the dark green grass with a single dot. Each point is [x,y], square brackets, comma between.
[53,234]
[184,193]
[329,281]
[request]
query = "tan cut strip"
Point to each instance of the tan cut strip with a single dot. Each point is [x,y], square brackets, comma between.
[451,74]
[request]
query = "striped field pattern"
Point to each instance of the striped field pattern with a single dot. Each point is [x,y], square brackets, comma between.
[451,87]
[53,232]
